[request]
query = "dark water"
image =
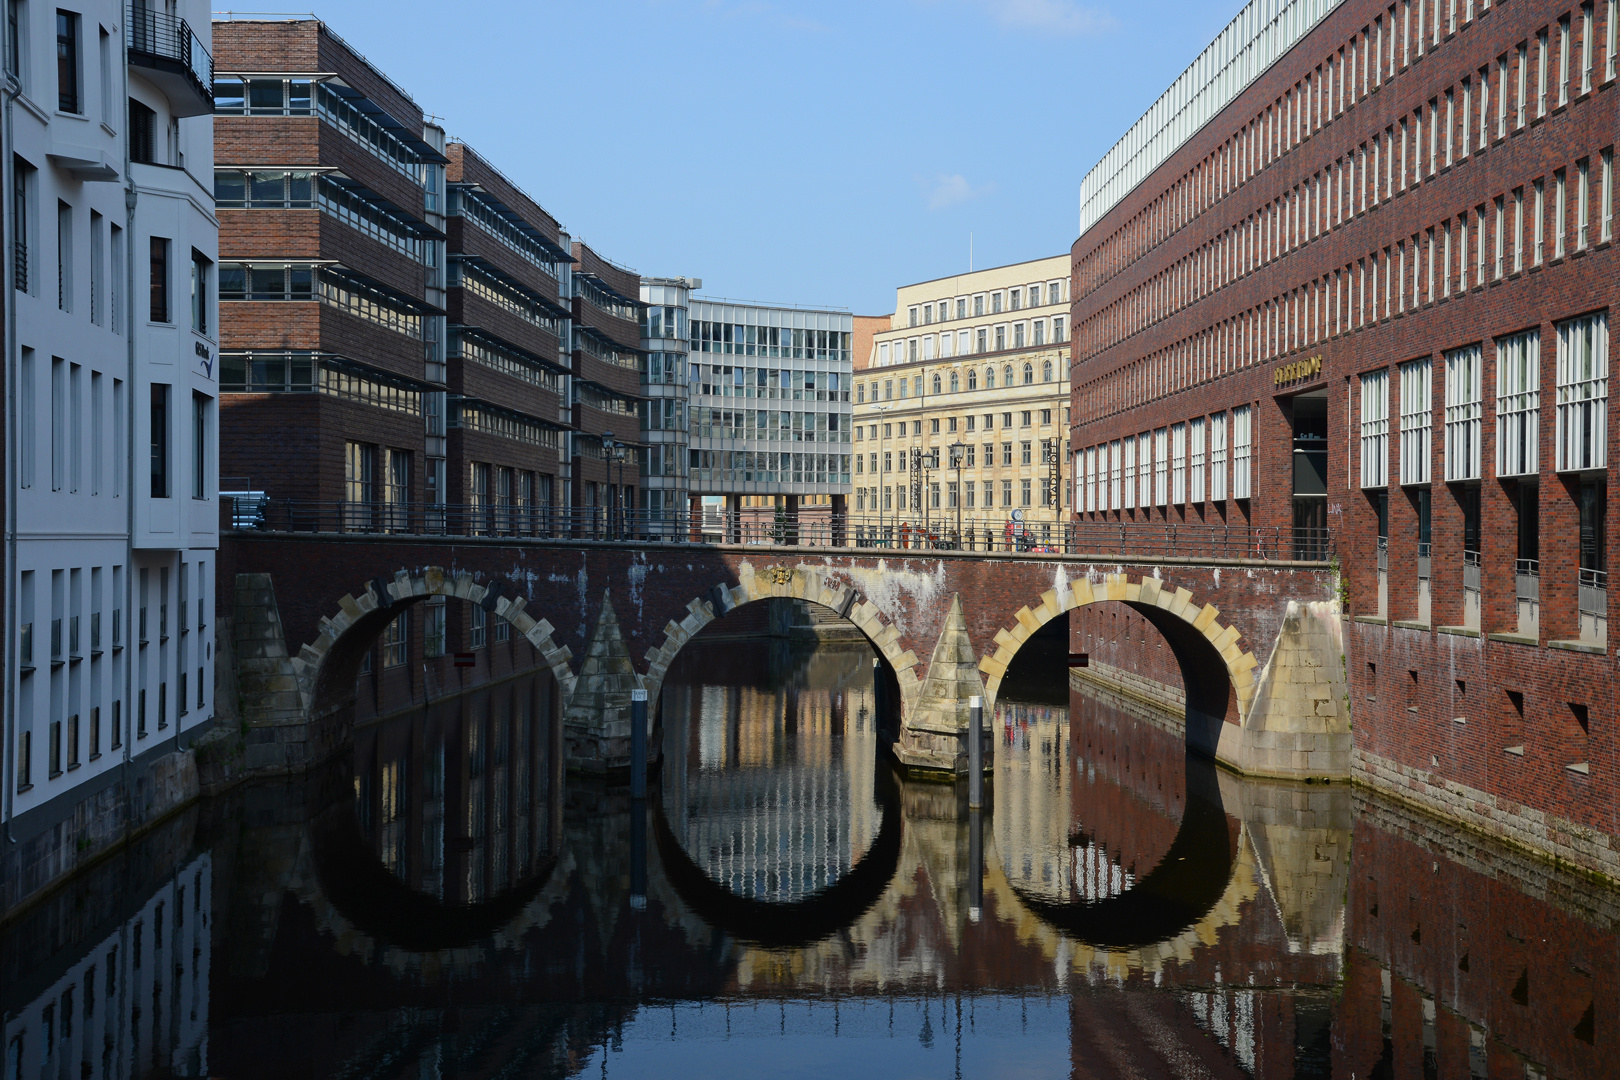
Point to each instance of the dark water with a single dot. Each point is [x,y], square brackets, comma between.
[443,905]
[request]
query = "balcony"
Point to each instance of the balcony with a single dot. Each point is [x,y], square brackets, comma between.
[1592,595]
[1527,596]
[172,58]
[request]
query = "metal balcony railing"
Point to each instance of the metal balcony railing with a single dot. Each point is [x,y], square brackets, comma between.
[163,41]
[1593,592]
[1527,580]
[258,513]
[1471,562]
[1425,552]
[1383,554]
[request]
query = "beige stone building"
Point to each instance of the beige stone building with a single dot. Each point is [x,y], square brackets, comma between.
[978,362]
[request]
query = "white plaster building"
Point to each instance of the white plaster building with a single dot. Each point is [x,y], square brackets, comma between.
[111,477]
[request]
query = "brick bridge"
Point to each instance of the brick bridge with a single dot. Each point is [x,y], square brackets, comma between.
[1258,642]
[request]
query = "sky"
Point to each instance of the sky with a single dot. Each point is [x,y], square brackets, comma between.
[787,151]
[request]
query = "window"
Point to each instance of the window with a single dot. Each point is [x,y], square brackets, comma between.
[1217,457]
[1178,467]
[1583,207]
[1161,466]
[1046,371]
[1057,330]
[21,175]
[1242,450]
[199,291]
[395,643]
[1518,402]
[1006,453]
[142,133]
[1583,393]
[199,445]
[1375,429]
[64,256]
[1128,480]
[478,628]
[67,61]
[159,266]
[1463,413]
[1113,475]
[1195,438]
[159,422]
[1025,454]
[1606,193]
[1024,492]
[972,379]
[1417,420]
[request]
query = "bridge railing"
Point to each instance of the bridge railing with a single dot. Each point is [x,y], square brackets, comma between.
[258,513]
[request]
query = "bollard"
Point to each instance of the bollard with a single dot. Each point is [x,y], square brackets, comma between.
[638,855]
[975,752]
[638,744]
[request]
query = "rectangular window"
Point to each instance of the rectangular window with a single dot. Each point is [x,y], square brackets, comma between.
[142,133]
[1375,429]
[159,425]
[478,627]
[1417,420]
[1559,213]
[1583,393]
[199,291]
[1178,463]
[1583,202]
[199,445]
[1242,451]
[64,256]
[1606,193]
[1518,403]
[1217,457]
[395,643]
[1464,410]
[1195,437]
[1161,466]
[67,61]
[1113,474]
[159,268]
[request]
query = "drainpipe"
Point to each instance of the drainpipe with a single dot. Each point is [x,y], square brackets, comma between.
[12,578]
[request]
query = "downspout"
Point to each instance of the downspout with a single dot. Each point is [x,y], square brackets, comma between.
[9,283]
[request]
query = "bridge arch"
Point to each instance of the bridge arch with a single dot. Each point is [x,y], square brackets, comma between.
[1194,631]
[786,582]
[327,667]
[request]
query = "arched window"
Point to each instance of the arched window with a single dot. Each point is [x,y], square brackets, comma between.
[1029,374]
[1046,371]
[936,382]
[973,379]
[989,378]
[1007,376]
[956,383]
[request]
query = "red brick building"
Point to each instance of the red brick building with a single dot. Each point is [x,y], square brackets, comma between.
[1350,280]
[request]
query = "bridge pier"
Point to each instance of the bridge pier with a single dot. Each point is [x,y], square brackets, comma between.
[934,730]
[597,723]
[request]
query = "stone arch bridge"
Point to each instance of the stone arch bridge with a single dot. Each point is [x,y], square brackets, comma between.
[1259,643]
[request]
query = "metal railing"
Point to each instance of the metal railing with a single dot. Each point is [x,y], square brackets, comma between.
[1383,554]
[1527,580]
[1425,552]
[258,513]
[1593,592]
[170,37]
[1471,570]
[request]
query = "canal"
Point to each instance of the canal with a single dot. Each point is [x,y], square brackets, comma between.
[445,904]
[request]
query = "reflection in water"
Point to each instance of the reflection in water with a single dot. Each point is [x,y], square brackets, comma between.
[435,907]
[770,787]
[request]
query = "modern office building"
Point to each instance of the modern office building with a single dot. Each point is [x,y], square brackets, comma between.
[978,361]
[663,383]
[110,391]
[769,410]
[1354,272]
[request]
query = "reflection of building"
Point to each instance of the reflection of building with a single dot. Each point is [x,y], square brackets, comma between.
[771,790]
[133,1005]
[454,798]
[980,360]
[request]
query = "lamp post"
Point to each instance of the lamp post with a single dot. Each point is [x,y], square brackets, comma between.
[958,451]
[607,461]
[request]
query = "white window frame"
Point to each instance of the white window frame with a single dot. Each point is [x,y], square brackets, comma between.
[1113,475]
[1195,475]
[1417,420]
[1375,429]
[1464,412]
[1242,450]
[1178,463]
[1583,393]
[1091,479]
[1161,466]
[1217,457]
[1518,403]
[1128,453]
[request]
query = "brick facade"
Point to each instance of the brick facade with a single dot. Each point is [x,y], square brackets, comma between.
[1339,218]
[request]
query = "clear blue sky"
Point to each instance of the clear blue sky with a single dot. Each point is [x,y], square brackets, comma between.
[787,150]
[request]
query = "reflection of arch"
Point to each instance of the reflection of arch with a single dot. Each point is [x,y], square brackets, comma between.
[781,925]
[376,902]
[790,583]
[1195,633]
[1181,890]
[327,667]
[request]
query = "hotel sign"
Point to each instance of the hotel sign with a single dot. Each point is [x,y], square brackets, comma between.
[1297,370]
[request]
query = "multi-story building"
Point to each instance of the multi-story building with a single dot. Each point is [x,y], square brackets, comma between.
[769,410]
[978,362]
[606,448]
[1354,272]
[110,391]
[663,377]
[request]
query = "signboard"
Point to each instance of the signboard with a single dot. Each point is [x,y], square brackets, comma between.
[466,659]
[1296,370]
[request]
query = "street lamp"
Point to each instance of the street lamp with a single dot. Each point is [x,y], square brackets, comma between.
[958,452]
[607,460]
